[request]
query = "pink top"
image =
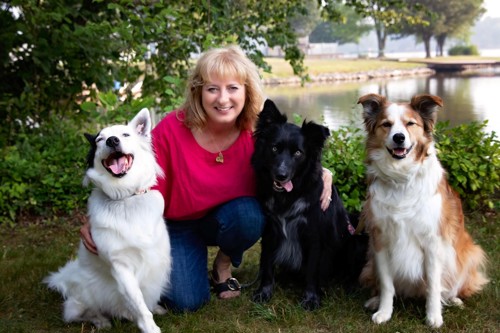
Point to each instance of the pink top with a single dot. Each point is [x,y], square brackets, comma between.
[194,182]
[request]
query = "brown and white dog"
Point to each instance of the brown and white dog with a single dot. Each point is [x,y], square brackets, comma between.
[418,243]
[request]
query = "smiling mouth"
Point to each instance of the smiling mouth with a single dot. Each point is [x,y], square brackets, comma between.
[282,186]
[399,153]
[118,164]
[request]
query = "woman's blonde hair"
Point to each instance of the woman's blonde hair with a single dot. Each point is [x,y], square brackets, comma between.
[227,62]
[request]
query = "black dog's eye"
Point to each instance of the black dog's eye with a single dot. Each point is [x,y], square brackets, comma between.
[298,153]
[99,139]
[274,149]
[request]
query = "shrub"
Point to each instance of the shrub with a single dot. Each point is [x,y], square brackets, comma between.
[344,155]
[472,158]
[41,175]
[463,50]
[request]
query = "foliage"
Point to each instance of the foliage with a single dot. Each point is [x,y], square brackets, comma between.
[344,155]
[441,19]
[349,30]
[56,54]
[463,50]
[472,158]
[41,175]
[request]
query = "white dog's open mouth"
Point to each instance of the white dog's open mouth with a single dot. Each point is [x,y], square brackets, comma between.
[280,186]
[118,164]
[399,153]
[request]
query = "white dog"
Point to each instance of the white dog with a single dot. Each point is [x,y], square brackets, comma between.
[133,267]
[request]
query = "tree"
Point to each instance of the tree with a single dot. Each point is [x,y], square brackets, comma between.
[56,54]
[387,15]
[349,30]
[442,18]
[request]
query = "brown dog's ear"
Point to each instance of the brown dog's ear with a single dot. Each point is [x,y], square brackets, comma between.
[426,106]
[372,105]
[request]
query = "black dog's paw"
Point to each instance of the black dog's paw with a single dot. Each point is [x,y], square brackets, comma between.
[310,302]
[262,295]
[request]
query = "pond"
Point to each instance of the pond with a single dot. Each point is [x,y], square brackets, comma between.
[467,96]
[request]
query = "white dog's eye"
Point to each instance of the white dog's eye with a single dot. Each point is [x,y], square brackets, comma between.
[126,134]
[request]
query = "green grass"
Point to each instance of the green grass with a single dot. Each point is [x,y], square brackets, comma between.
[28,253]
[282,69]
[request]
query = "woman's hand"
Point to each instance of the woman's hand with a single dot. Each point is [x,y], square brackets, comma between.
[87,240]
[326,195]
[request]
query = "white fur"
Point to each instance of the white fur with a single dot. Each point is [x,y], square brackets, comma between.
[133,267]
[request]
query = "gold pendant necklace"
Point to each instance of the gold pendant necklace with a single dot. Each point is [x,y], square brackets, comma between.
[219,158]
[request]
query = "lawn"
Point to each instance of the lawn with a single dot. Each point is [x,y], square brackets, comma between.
[29,252]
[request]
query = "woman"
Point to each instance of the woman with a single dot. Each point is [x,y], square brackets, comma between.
[205,149]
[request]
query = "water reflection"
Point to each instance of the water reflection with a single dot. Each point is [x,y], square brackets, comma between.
[467,97]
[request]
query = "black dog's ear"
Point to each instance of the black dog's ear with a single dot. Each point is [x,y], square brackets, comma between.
[93,146]
[315,134]
[271,115]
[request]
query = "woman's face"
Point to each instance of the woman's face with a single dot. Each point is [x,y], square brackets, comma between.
[223,100]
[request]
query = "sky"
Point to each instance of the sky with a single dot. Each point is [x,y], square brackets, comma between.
[492,8]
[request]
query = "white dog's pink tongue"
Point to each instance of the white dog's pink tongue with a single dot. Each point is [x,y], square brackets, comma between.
[288,186]
[119,165]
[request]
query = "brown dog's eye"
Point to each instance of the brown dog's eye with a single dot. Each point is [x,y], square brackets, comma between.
[387,124]
[410,123]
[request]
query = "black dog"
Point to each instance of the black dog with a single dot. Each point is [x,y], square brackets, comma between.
[299,236]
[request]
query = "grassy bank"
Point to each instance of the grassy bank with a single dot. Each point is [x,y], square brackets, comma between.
[282,69]
[28,253]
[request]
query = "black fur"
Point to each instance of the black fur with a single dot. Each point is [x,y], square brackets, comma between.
[298,235]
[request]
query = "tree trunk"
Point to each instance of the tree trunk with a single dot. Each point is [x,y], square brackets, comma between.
[427,43]
[381,38]
[440,43]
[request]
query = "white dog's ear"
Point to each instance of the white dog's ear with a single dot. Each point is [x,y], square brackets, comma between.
[141,122]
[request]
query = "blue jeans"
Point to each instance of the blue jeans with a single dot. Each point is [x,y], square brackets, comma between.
[234,227]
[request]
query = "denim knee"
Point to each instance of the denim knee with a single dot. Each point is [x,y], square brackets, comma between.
[241,222]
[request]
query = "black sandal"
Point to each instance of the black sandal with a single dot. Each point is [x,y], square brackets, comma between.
[231,284]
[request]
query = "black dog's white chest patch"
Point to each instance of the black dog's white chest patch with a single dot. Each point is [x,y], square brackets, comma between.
[289,252]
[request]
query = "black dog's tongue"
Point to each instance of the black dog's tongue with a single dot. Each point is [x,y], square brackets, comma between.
[288,186]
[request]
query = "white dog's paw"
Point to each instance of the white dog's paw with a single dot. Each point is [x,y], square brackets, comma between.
[434,320]
[455,301]
[373,303]
[101,322]
[381,316]
[159,310]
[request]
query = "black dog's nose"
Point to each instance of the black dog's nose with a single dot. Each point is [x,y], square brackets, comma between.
[112,142]
[399,138]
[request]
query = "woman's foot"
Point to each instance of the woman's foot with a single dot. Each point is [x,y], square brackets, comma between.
[224,284]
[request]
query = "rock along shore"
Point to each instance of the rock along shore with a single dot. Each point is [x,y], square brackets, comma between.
[357,76]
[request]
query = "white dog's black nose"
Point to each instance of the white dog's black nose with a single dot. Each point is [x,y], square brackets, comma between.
[112,142]
[398,138]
